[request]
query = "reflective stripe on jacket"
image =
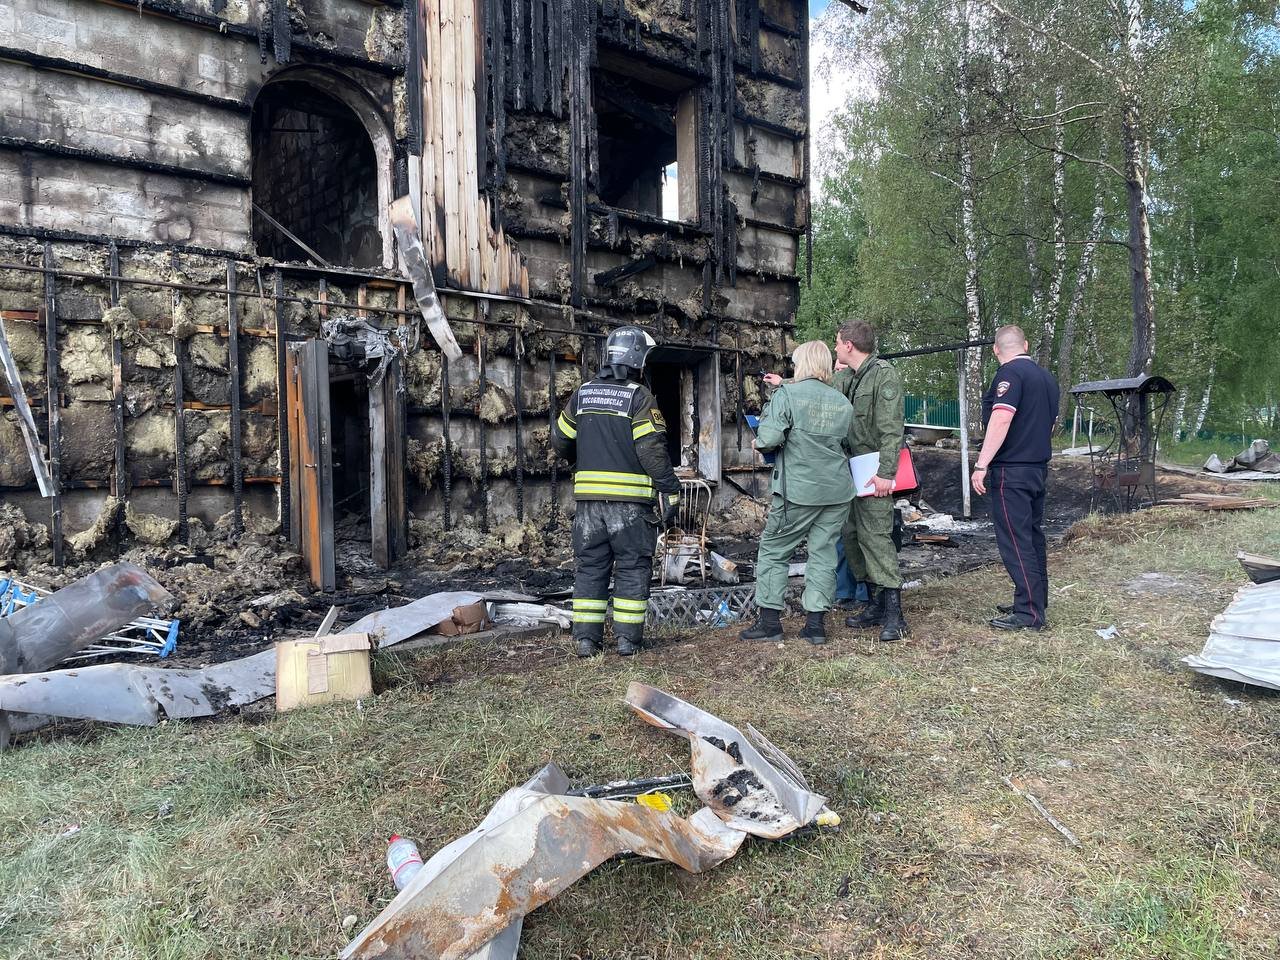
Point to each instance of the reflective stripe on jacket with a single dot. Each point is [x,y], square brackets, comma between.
[618,437]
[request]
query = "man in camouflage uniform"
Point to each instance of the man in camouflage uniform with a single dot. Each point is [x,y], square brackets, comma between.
[875,390]
[613,433]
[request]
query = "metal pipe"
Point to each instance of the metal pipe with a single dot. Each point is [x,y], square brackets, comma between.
[291,235]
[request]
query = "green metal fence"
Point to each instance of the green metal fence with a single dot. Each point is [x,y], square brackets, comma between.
[935,411]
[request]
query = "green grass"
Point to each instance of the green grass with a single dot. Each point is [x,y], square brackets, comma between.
[277,825]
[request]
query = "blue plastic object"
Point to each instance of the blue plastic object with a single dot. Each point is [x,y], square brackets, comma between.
[754,423]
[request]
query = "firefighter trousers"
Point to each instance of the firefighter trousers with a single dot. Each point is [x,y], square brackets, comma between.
[612,540]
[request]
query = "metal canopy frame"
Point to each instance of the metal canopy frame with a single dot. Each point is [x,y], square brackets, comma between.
[1124,469]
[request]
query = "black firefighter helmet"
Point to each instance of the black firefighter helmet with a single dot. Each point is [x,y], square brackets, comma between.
[628,347]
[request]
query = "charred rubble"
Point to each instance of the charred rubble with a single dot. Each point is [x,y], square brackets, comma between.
[199,189]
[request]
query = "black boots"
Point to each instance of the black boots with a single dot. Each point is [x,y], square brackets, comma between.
[894,626]
[586,644]
[628,645]
[768,626]
[871,615]
[815,628]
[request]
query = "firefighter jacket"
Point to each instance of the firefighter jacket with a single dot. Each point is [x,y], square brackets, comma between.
[614,434]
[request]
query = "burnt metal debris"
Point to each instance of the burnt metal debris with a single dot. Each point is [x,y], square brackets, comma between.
[469,900]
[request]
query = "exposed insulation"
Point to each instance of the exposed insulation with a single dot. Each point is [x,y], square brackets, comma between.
[15,463]
[149,528]
[88,440]
[89,539]
[84,362]
[121,323]
[18,536]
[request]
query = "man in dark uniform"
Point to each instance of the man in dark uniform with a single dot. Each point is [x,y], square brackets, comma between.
[612,431]
[1019,411]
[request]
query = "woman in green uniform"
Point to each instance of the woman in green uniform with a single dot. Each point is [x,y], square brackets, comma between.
[806,425]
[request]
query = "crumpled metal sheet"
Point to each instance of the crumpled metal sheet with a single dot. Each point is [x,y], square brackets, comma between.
[140,695]
[526,860]
[729,774]
[414,265]
[549,780]
[1244,640]
[396,624]
[469,899]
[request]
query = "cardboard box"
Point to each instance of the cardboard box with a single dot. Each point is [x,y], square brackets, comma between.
[471,618]
[322,669]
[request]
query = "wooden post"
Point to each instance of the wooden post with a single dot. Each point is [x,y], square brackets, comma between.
[120,476]
[964,432]
[233,365]
[53,404]
[282,407]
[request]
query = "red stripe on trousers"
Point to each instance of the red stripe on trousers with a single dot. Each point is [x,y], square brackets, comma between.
[1034,613]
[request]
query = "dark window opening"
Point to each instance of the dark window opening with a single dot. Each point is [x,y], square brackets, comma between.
[349,412]
[314,172]
[646,142]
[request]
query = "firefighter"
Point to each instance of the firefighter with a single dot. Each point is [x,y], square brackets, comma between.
[613,433]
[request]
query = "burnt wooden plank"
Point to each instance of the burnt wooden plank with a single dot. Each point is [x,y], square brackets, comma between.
[282,409]
[233,367]
[53,403]
[120,475]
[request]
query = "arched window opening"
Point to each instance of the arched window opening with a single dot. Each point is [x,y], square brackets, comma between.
[315,172]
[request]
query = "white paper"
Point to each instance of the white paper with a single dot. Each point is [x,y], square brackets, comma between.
[863,469]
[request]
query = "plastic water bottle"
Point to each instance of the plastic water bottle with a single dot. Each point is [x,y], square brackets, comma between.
[403,860]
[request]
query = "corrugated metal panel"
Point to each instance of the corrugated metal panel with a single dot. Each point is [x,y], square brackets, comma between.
[1244,640]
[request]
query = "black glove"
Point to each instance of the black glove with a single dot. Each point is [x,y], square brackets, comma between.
[669,505]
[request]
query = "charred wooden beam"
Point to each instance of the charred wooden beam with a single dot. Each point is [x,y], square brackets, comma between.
[552,414]
[518,377]
[51,148]
[120,475]
[446,462]
[233,367]
[52,377]
[482,383]
[607,278]
[282,404]
[59,65]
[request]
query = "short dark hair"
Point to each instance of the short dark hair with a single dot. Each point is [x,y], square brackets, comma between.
[859,333]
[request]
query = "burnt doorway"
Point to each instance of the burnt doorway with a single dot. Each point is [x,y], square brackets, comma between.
[345,423]
[315,174]
[686,384]
[349,416]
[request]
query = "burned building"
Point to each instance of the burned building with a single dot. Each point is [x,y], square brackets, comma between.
[204,296]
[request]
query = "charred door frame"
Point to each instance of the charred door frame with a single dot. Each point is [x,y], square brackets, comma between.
[311,458]
[388,520]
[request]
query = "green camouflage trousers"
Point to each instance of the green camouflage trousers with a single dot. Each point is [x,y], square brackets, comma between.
[820,525]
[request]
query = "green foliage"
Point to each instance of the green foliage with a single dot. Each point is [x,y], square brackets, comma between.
[948,79]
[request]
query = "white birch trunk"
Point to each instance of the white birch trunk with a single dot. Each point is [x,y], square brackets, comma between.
[1084,270]
[1054,302]
[968,222]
